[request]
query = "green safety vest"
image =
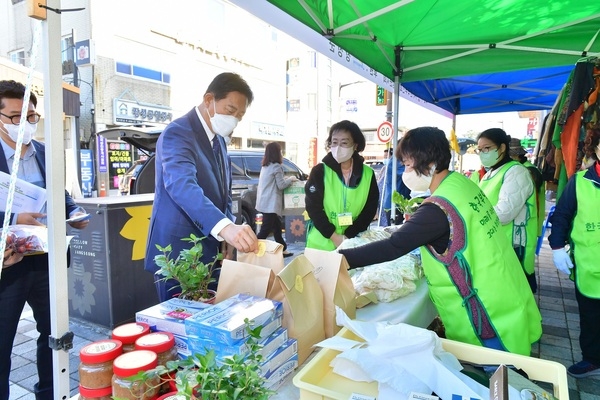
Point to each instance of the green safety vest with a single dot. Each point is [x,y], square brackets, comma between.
[491,188]
[339,198]
[487,265]
[585,237]
[540,202]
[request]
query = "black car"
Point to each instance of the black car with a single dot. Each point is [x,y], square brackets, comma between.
[245,168]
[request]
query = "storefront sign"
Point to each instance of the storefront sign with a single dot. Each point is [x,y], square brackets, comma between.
[267,131]
[87,172]
[101,154]
[120,159]
[84,53]
[128,112]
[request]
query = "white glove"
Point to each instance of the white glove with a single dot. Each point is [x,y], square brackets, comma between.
[562,261]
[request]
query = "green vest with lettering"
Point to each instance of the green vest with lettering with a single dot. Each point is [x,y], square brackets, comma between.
[526,233]
[481,262]
[540,202]
[337,199]
[585,237]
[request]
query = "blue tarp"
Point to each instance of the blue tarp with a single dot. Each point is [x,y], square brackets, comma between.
[533,89]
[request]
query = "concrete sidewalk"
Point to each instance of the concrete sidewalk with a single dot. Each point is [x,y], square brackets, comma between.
[555,297]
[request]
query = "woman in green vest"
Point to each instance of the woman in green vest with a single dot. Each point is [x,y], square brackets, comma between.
[576,221]
[341,192]
[474,277]
[508,186]
[518,153]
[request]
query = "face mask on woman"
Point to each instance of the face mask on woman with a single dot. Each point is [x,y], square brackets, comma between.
[28,132]
[222,124]
[342,154]
[416,182]
[489,159]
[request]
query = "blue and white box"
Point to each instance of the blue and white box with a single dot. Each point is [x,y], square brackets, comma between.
[224,322]
[169,315]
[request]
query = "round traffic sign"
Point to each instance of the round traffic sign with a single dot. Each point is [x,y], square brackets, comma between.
[385,131]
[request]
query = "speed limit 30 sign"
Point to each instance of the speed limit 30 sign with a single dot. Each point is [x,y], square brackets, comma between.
[385,131]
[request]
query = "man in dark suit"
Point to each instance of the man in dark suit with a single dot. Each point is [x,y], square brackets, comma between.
[27,280]
[193,180]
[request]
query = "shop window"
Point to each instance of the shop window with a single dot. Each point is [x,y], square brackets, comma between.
[17,56]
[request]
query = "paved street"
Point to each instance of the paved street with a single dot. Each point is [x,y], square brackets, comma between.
[556,299]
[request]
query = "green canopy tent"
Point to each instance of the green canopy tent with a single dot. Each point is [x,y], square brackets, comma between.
[395,41]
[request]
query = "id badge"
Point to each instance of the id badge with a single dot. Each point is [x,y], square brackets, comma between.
[344,219]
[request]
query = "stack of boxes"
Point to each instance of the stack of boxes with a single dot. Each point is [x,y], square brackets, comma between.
[199,327]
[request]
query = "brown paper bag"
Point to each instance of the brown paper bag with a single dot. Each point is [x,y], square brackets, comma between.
[295,286]
[331,270]
[238,277]
[272,258]
[302,305]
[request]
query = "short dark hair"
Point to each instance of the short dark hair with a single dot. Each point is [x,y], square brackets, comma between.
[14,90]
[591,141]
[228,82]
[272,154]
[499,137]
[357,136]
[425,145]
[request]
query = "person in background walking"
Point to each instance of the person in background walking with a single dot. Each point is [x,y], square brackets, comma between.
[576,222]
[269,196]
[388,191]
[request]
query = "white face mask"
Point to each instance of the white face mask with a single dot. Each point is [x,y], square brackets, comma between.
[416,182]
[28,132]
[342,154]
[222,124]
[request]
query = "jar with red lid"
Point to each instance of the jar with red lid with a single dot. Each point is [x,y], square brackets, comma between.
[162,343]
[129,333]
[129,364]
[95,394]
[96,363]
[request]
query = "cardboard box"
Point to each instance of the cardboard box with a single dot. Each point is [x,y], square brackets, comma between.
[169,315]
[273,337]
[278,376]
[316,380]
[224,322]
[281,355]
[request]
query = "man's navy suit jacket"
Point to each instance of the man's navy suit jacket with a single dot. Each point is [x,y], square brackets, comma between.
[190,195]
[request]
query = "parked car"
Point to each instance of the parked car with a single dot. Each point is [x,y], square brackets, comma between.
[245,168]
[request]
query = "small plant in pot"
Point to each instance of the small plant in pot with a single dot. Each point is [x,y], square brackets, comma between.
[202,376]
[193,275]
[406,206]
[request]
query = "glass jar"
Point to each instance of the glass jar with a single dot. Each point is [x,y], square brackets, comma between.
[172,396]
[162,343]
[129,333]
[96,366]
[129,364]
[95,394]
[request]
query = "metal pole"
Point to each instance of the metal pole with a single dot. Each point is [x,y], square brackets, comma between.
[55,184]
[397,73]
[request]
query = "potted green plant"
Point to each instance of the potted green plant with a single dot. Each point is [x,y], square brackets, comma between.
[202,376]
[406,206]
[193,275]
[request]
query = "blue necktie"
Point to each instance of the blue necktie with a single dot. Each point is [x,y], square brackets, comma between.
[216,145]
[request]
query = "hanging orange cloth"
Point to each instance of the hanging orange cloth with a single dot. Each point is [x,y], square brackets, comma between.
[569,139]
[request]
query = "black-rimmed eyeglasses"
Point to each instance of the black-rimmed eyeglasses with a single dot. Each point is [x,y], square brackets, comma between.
[16,119]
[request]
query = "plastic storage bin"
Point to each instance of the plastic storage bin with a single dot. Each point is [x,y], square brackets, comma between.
[317,381]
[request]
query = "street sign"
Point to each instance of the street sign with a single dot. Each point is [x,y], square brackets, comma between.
[385,131]
[381,96]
